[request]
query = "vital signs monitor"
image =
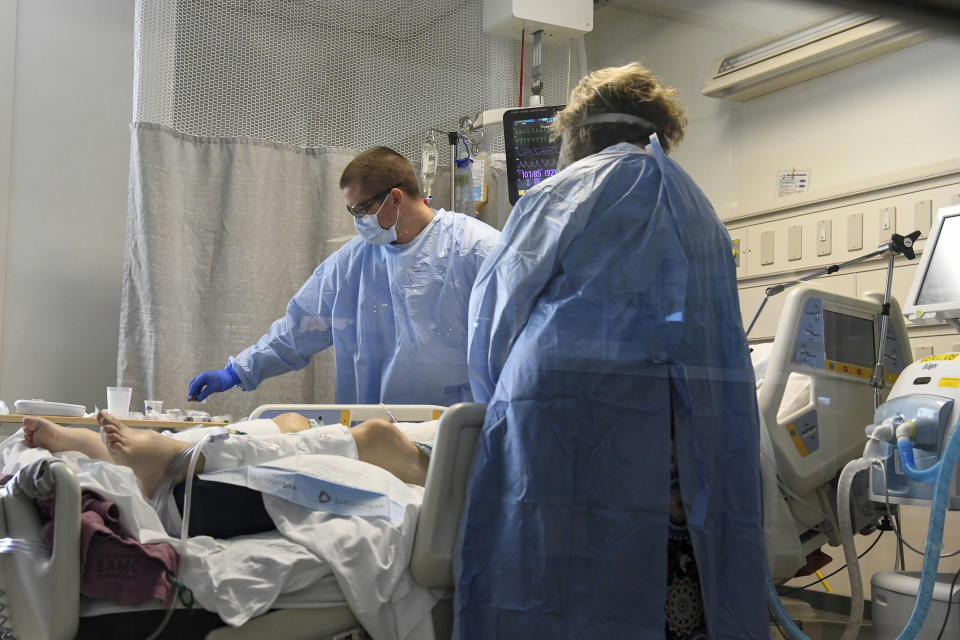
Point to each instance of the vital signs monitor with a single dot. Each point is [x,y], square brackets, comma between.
[532,154]
[935,293]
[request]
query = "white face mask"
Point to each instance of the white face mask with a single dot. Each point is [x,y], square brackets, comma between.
[370,230]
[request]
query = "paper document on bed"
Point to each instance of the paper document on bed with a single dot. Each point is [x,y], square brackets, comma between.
[326,483]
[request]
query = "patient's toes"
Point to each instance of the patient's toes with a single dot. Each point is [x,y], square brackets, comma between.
[146,452]
[104,419]
[40,432]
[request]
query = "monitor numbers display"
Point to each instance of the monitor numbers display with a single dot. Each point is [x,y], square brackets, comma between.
[532,154]
[536,154]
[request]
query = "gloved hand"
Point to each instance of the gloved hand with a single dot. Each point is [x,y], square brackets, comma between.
[212,381]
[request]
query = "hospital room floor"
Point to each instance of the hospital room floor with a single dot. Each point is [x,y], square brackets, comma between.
[826,631]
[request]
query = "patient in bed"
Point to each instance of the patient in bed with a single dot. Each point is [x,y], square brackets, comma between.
[224,510]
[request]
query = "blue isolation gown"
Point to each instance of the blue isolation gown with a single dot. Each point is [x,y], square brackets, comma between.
[606,317]
[394,314]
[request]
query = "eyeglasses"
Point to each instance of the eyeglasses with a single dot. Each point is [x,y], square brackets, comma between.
[363,208]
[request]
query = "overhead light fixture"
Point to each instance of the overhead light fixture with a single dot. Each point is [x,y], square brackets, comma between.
[814,50]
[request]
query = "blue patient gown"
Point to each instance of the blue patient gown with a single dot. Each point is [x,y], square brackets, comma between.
[605,318]
[394,314]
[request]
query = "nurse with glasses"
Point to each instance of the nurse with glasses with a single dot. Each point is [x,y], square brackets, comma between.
[368,222]
[392,302]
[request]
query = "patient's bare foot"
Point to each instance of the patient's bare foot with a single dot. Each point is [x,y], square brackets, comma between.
[145,451]
[40,432]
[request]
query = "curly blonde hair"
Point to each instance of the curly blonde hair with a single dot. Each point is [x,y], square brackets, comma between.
[628,89]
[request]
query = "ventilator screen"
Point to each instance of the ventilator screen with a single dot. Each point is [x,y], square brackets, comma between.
[941,282]
[848,339]
[531,154]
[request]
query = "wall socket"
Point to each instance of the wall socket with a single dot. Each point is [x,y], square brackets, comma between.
[888,223]
[824,237]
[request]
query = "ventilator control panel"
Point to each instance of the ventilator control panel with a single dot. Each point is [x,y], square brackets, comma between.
[844,342]
[817,393]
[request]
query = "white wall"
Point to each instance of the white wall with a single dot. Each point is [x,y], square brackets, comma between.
[66,84]
[888,115]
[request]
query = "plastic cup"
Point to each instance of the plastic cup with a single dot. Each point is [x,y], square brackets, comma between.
[118,401]
[152,407]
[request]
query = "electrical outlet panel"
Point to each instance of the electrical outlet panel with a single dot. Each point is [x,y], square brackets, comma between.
[888,224]
[922,351]
[766,247]
[795,242]
[824,237]
[922,211]
[855,232]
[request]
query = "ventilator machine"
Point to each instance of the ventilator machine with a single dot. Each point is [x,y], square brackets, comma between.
[905,453]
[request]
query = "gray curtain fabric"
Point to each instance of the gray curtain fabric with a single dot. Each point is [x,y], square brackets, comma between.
[221,232]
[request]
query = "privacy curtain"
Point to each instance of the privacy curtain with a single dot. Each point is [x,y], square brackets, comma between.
[243,111]
[221,232]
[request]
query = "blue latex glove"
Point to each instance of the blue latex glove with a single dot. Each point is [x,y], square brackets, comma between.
[212,381]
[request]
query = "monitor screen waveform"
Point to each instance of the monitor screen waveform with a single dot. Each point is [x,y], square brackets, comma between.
[532,151]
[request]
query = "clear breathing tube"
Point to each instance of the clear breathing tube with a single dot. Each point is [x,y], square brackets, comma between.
[941,473]
[931,559]
[185,526]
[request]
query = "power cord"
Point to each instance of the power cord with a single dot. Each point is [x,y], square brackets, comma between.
[896,528]
[830,575]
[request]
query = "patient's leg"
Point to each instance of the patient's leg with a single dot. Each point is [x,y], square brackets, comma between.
[381,443]
[145,451]
[291,422]
[40,432]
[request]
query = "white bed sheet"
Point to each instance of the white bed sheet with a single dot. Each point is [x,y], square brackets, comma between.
[796,393]
[240,578]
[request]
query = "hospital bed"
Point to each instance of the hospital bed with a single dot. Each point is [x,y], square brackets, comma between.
[814,401]
[40,592]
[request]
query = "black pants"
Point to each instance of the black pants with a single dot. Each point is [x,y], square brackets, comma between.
[223,510]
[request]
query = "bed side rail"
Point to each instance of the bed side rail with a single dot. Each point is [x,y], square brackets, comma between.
[42,588]
[348,414]
[432,561]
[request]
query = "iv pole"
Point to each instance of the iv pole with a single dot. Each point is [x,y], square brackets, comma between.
[896,244]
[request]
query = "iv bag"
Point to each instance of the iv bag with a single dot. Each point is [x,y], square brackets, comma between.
[463,188]
[428,167]
[463,180]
